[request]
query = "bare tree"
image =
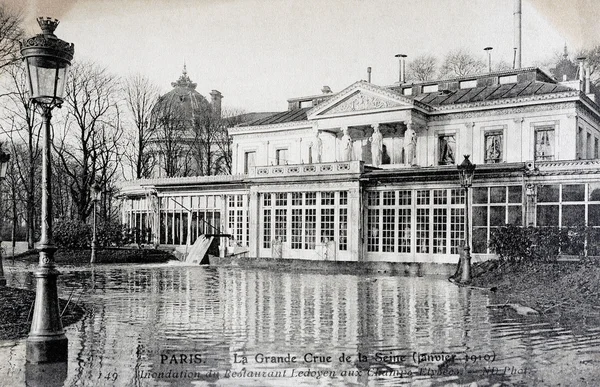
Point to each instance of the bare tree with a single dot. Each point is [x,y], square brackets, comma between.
[592,56]
[422,68]
[10,33]
[140,97]
[171,138]
[88,148]
[459,63]
[501,65]
[19,124]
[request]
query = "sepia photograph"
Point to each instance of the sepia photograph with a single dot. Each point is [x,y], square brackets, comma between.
[299,193]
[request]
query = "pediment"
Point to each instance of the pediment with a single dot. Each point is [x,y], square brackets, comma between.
[360,97]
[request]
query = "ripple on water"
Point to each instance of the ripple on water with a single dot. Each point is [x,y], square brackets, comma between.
[139,314]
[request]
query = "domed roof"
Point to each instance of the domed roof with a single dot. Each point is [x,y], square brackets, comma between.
[183,98]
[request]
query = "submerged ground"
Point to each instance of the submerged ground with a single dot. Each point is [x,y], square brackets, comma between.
[16,308]
[565,291]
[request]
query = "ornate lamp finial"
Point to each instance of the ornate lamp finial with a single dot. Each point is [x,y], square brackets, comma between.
[47,24]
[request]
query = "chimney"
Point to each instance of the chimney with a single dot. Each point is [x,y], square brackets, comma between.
[402,70]
[517,26]
[489,52]
[581,71]
[215,101]
[369,74]
[587,78]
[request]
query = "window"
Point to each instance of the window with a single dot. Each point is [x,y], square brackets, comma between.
[267,221]
[562,205]
[493,147]
[590,146]
[422,230]
[437,227]
[343,223]
[468,84]
[306,104]
[281,156]
[595,148]
[297,228]
[310,228]
[446,149]
[388,230]
[238,218]
[327,216]
[305,220]
[373,230]
[494,207]
[249,161]
[407,91]
[544,143]
[507,79]
[430,88]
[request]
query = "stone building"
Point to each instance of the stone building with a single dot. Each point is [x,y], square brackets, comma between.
[369,173]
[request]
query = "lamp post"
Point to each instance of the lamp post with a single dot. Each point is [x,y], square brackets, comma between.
[46,59]
[96,193]
[466,170]
[4,159]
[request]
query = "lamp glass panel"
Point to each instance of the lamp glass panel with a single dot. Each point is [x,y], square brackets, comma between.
[62,81]
[42,83]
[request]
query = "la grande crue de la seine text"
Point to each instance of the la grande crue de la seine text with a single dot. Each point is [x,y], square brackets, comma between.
[315,358]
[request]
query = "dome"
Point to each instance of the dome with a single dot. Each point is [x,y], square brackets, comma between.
[183,101]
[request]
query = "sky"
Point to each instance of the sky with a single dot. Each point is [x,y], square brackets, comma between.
[259,53]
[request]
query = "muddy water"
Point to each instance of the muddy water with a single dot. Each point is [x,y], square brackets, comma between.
[176,325]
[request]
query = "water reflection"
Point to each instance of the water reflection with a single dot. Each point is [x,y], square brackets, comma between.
[173,325]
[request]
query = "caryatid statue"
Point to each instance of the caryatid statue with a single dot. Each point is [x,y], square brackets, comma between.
[317,147]
[376,146]
[347,146]
[410,144]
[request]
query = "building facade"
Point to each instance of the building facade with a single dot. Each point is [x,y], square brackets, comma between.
[369,173]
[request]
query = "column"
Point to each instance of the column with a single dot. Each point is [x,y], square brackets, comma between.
[189,241]
[235,160]
[355,224]
[253,216]
[517,140]
[466,143]
[530,200]
[156,219]
[224,242]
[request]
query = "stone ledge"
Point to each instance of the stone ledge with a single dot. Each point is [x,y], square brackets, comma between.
[337,267]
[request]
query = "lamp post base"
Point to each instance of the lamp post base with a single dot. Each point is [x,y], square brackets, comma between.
[46,375]
[47,349]
[466,266]
[46,342]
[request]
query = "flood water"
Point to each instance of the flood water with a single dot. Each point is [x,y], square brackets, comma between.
[177,325]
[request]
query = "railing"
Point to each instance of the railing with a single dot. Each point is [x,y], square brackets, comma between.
[332,168]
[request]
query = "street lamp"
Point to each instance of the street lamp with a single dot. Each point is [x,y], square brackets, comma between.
[96,192]
[46,59]
[4,159]
[466,170]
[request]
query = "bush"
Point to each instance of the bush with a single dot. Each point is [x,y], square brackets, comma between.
[72,233]
[511,243]
[78,235]
[112,234]
[539,243]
